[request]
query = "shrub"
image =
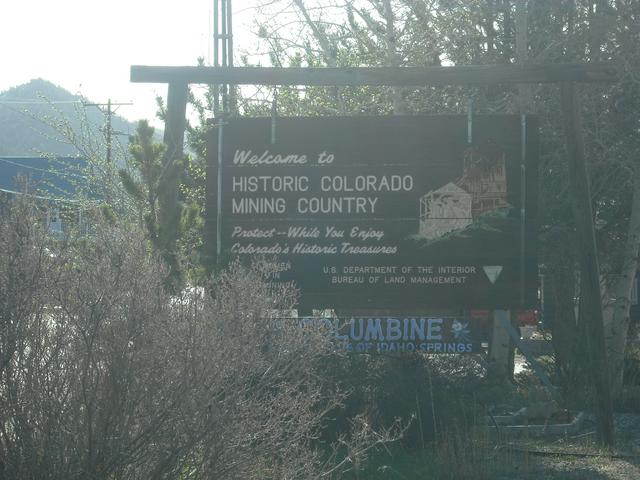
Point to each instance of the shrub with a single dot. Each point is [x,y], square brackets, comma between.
[105,375]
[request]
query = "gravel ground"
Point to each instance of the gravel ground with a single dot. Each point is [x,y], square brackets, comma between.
[586,469]
[563,467]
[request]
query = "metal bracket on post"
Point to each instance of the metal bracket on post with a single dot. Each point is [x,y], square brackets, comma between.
[274,116]
[470,121]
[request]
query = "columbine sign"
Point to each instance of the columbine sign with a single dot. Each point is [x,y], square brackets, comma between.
[405,334]
[383,212]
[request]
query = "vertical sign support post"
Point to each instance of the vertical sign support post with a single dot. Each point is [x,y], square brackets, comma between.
[589,270]
[523,203]
[174,140]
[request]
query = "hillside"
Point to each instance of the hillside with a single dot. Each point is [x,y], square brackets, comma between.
[27,113]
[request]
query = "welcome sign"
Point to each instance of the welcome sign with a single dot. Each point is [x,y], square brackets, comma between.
[382,212]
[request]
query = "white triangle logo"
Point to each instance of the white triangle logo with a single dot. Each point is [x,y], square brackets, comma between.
[493,272]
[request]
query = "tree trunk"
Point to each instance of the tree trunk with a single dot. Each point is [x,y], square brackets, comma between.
[392,56]
[617,311]
[328,50]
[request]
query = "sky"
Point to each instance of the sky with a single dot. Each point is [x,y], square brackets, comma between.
[88,46]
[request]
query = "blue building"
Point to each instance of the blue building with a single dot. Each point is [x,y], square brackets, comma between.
[54,181]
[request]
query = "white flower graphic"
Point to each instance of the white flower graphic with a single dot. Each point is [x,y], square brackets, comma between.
[461,331]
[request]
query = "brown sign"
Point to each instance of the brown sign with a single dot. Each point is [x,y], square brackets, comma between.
[383,212]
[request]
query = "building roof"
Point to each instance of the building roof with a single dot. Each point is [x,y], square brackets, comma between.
[450,188]
[50,177]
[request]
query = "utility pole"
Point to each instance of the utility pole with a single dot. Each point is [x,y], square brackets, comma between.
[223,53]
[108,127]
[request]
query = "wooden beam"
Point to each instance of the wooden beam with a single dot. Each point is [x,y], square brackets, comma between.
[381,76]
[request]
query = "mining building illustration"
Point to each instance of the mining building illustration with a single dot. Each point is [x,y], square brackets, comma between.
[482,188]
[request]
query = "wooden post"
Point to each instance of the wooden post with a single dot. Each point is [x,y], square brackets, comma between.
[589,271]
[169,212]
[210,256]
[499,345]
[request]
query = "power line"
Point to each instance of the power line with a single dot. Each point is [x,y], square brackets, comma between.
[40,102]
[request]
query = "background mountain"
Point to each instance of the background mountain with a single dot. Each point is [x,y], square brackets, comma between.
[33,115]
